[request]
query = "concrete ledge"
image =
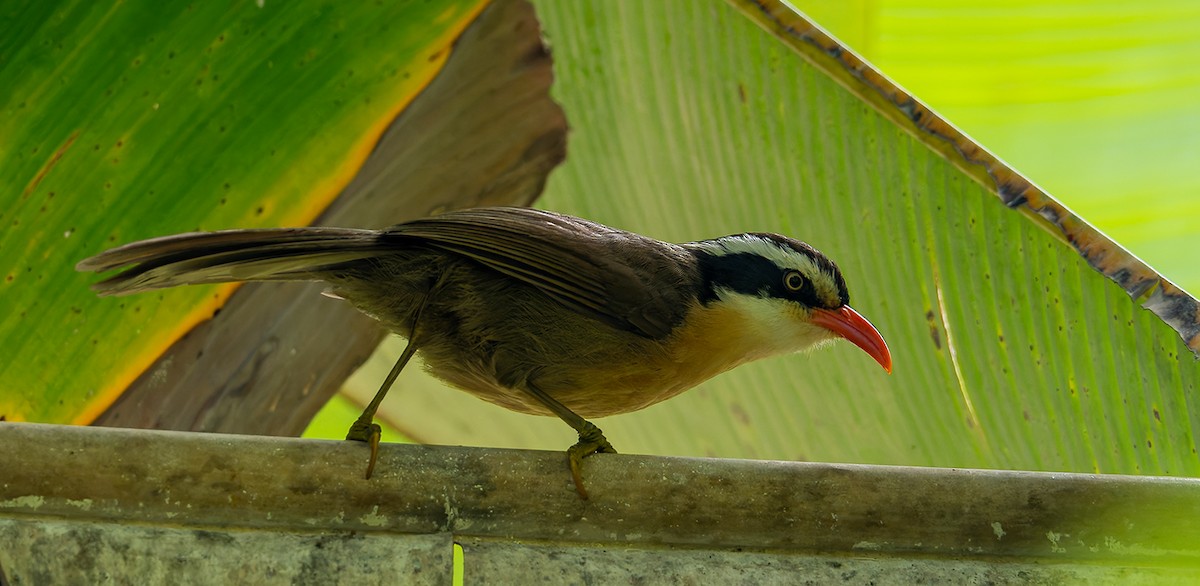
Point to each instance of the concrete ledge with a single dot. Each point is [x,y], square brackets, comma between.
[212,482]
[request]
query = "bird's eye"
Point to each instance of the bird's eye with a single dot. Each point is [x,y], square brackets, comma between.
[793,280]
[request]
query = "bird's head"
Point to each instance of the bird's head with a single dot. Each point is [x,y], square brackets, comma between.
[788,295]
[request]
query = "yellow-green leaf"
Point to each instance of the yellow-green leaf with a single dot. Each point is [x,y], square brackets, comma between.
[136,119]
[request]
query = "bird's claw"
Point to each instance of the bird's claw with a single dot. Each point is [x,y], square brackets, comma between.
[366,431]
[591,441]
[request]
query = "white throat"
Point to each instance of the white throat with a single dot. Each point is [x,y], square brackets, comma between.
[773,326]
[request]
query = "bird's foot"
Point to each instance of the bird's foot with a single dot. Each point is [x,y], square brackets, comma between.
[364,430]
[591,441]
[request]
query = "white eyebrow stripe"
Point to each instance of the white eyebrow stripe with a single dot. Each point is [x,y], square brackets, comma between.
[744,244]
[784,258]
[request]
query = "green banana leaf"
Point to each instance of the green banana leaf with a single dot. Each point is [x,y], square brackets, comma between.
[1092,100]
[1019,333]
[122,121]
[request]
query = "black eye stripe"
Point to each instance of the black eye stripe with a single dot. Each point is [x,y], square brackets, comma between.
[751,274]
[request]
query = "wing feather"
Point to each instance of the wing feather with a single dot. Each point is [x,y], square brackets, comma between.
[631,281]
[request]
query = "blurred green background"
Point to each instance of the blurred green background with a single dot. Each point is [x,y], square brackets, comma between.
[1096,101]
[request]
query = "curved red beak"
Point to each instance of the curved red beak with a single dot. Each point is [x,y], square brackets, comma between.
[851,325]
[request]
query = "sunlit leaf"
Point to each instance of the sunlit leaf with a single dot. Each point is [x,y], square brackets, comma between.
[136,119]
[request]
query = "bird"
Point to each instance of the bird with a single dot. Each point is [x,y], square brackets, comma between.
[535,311]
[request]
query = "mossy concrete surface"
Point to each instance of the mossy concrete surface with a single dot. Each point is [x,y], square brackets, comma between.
[96,505]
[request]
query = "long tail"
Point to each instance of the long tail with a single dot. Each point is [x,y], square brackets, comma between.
[285,254]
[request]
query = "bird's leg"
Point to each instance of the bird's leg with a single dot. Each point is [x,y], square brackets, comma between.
[364,429]
[591,439]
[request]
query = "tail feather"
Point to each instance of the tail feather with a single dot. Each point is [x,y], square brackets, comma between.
[232,255]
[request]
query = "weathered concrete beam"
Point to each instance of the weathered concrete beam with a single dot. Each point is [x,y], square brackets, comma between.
[212,482]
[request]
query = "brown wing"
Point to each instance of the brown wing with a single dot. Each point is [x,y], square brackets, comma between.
[630,281]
